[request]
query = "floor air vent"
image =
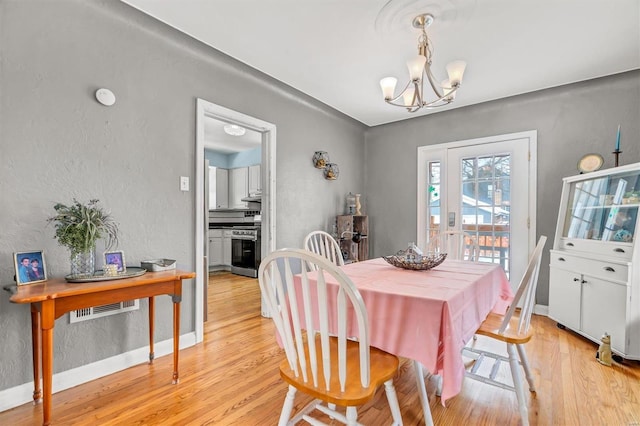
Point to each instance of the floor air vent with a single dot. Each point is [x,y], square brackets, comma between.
[103,311]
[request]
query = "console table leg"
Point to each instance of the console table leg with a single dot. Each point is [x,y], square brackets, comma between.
[36,338]
[47,322]
[152,314]
[176,335]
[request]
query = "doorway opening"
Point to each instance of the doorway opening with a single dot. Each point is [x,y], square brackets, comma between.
[205,111]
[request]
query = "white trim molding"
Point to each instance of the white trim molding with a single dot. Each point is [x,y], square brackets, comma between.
[22,394]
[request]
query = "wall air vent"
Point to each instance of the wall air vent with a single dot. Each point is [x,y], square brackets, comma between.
[103,311]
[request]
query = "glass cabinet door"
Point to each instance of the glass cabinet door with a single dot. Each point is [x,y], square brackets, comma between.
[604,208]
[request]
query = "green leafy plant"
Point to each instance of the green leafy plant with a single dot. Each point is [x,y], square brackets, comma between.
[79,226]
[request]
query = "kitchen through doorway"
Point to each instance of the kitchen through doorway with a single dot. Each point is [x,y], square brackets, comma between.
[243,205]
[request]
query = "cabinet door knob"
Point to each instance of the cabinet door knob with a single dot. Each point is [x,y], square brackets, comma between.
[576,279]
[561,259]
[570,244]
[609,269]
[618,250]
[583,281]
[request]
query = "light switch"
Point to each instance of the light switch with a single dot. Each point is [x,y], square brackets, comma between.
[184,183]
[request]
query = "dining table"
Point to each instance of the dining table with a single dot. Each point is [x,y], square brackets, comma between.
[426,315]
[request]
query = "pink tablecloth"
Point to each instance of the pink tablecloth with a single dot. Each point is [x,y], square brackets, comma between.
[428,316]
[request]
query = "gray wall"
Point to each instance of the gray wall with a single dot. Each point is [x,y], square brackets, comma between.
[571,121]
[58,143]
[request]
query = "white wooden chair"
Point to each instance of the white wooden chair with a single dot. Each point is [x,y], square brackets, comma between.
[322,243]
[330,368]
[513,328]
[459,245]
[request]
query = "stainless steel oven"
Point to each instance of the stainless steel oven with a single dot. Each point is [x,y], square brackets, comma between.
[245,250]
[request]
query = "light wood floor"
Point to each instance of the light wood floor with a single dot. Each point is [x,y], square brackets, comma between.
[232,379]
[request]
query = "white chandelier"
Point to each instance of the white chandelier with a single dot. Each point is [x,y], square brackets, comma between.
[413,95]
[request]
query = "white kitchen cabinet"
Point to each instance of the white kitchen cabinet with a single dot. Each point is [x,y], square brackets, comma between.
[586,296]
[226,247]
[606,303]
[215,247]
[222,188]
[238,187]
[563,296]
[255,179]
[594,281]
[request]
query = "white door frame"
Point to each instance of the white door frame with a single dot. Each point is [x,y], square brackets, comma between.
[438,152]
[268,170]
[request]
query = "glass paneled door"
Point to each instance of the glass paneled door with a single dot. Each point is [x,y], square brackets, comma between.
[484,190]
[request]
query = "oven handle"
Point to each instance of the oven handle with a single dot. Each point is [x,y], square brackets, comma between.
[243,238]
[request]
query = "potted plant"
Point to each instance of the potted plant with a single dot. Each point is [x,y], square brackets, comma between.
[78,227]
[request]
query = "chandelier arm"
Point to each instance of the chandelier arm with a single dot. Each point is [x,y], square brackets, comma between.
[396,105]
[391,100]
[435,104]
[431,78]
[430,105]
[447,99]
[417,94]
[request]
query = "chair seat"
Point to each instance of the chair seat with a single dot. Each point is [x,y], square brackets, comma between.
[491,326]
[383,367]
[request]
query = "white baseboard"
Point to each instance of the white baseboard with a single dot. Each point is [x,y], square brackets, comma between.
[21,394]
[541,310]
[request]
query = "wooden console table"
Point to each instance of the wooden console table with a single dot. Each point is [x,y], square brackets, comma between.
[53,298]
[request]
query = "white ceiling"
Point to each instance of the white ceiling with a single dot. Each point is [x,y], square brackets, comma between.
[337,50]
[215,138]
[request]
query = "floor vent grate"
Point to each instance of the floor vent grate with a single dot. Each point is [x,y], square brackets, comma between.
[103,311]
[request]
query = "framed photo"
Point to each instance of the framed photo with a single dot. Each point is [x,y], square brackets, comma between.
[115,258]
[30,267]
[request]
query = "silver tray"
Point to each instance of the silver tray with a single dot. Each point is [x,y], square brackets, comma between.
[99,275]
[422,263]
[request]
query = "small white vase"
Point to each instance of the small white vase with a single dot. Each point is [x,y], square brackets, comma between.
[83,264]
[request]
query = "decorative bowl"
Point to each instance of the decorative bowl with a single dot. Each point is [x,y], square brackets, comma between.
[418,263]
[157,265]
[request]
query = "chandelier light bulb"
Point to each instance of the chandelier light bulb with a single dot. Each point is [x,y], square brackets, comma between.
[416,67]
[388,85]
[408,96]
[455,70]
[447,90]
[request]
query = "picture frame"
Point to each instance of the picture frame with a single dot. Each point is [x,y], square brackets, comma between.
[115,258]
[30,267]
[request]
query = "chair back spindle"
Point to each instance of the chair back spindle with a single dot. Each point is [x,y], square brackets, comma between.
[526,294]
[323,244]
[458,245]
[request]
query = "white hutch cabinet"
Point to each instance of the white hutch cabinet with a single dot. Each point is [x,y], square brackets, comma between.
[594,283]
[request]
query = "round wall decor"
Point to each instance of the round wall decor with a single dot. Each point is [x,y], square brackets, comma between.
[590,163]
